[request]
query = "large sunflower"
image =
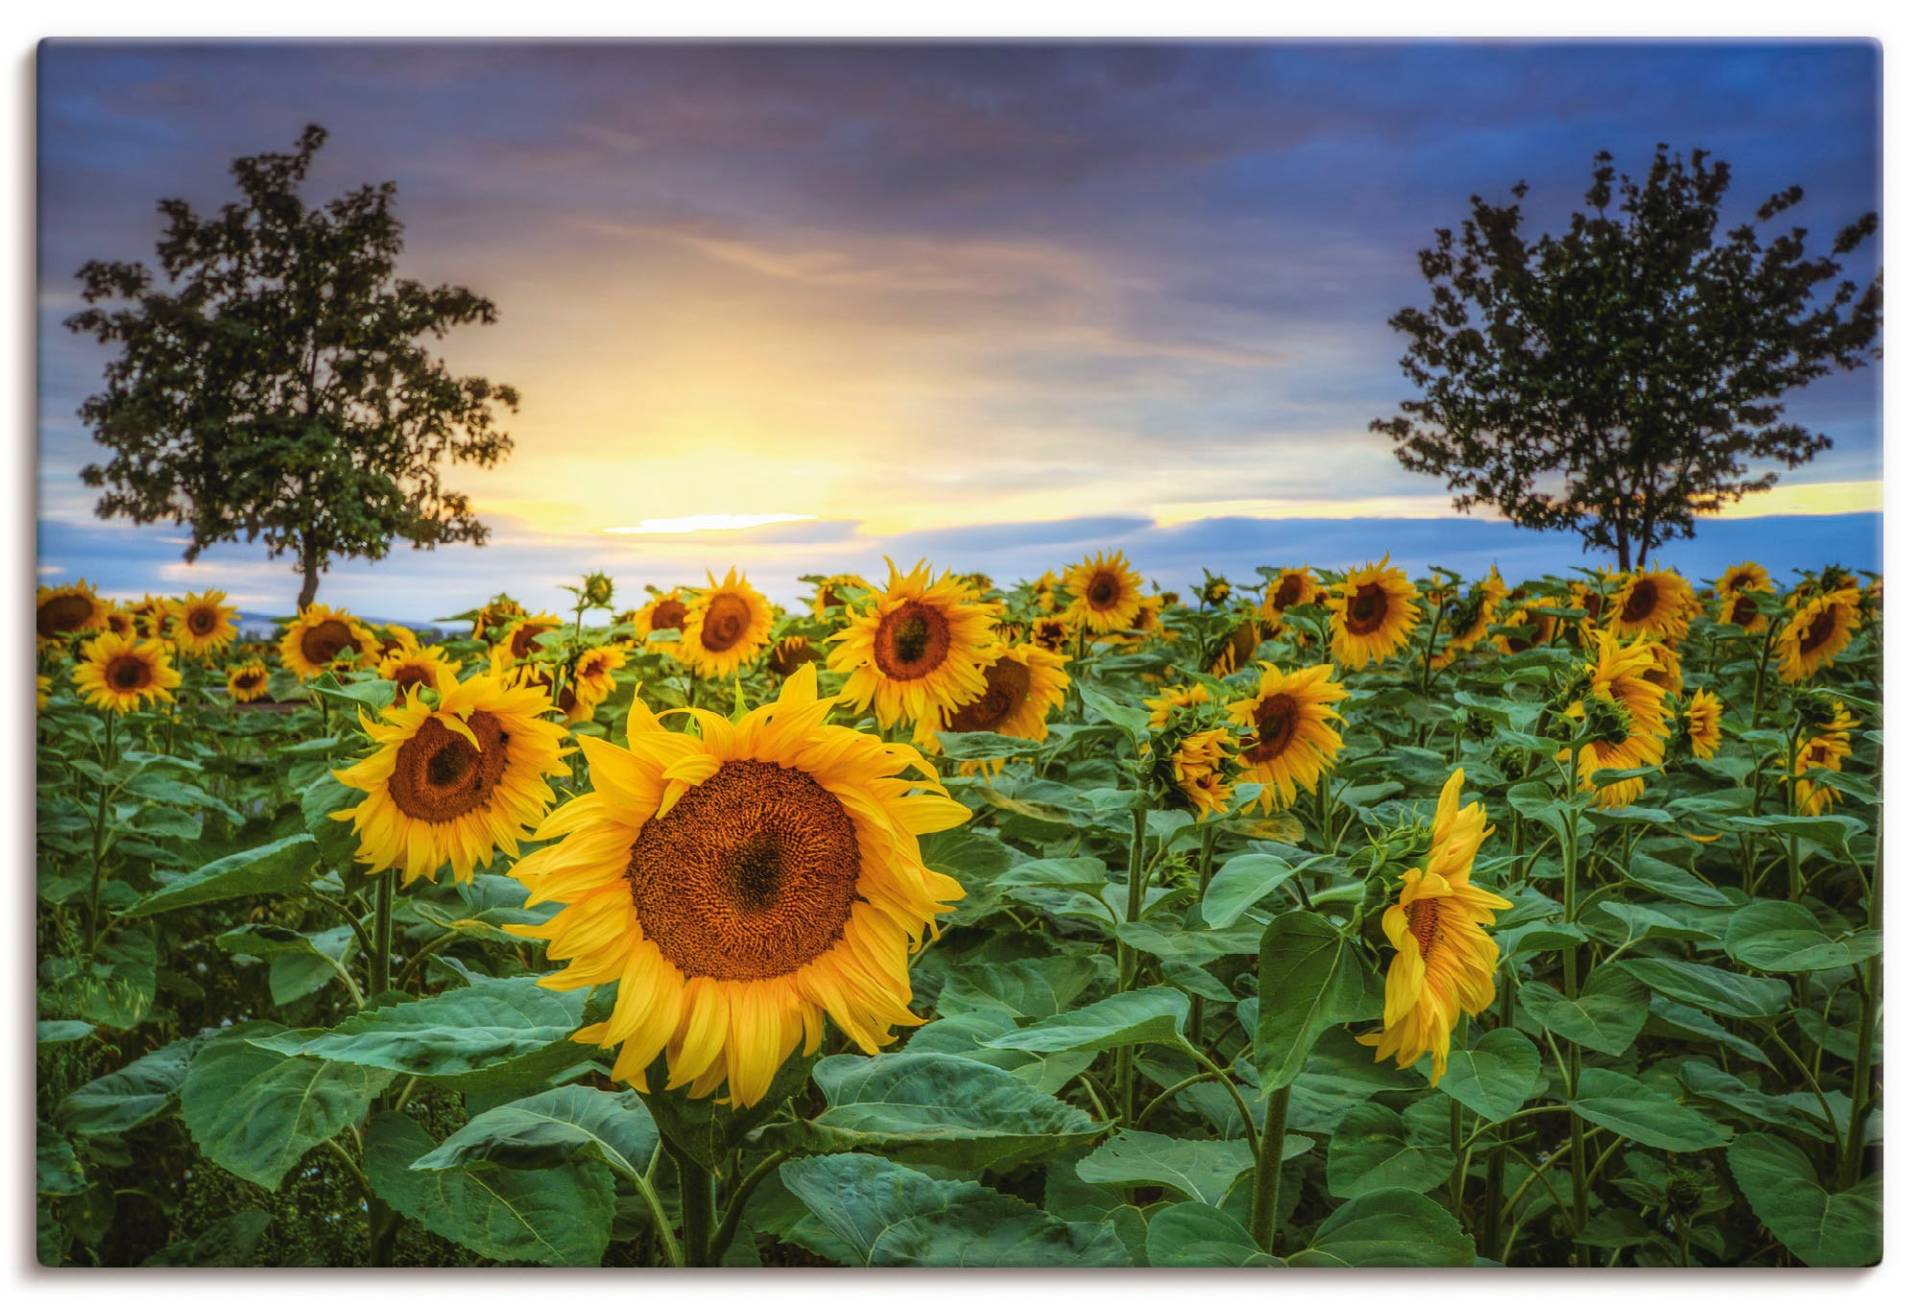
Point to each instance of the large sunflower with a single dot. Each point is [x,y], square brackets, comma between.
[728,622]
[1103,593]
[122,674]
[1444,958]
[738,886]
[1703,724]
[69,609]
[1623,677]
[1819,631]
[918,650]
[1658,603]
[420,667]
[319,634]
[1296,586]
[1375,609]
[202,623]
[1024,683]
[247,681]
[1292,720]
[448,784]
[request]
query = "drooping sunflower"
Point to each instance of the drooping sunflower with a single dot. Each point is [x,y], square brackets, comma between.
[1293,587]
[1292,720]
[1198,765]
[202,623]
[1214,590]
[123,674]
[918,652]
[318,635]
[498,611]
[727,624]
[1667,671]
[827,601]
[1375,609]
[247,681]
[1103,593]
[1535,628]
[69,609]
[1024,684]
[1657,603]
[450,783]
[1444,958]
[591,682]
[420,667]
[739,885]
[1825,750]
[1819,630]
[520,638]
[1622,677]
[1703,724]
[1235,648]
[1161,709]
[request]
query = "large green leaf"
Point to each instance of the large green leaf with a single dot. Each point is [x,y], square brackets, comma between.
[867,1211]
[936,1109]
[1031,988]
[229,1243]
[1189,1235]
[1243,881]
[559,1216]
[1496,1076]
[551,1129]
[128,1097]
[1642,1113]
[1376,1147]
[1200,1170]
[57,1169]
[1609,1014]
[280,866]
[711,1131]
[256,1112]
[1784,937]
[1711,988]
[1309,981]
[1391,1228]
[1822,1228]
[1150,1016]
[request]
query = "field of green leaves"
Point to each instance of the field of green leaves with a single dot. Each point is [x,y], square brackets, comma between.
[1321,918]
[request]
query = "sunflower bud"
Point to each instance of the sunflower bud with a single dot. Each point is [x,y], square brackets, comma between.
[1606,720]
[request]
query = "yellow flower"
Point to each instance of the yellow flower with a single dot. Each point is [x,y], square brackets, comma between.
[591,682]
[392,638]
[121,622]
[1538,629]
[1820,629]
[1654,602]
[1703,724]
[918,652]
[1024,683]
[1625,676]
[1292,721]
[120,674]
[1052,633]
[201,623]
[790,653]
[69,609]
[1666,670]
[727,623]
[521,639]
[1235,649]
[1161,709]
[42,691]
[1825,750]
[739,886]
[826,599]
[319,634]
[1444,959]
[496,614]
[420,667]
[150,616]
[1103,593]
[247,682]
[1199,771]
[448,784]
[1743,577]
[1294,587]
[1375,610]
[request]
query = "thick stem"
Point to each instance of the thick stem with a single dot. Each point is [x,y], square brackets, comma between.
[100,840]
[1266,1171]
[1853,1155]
[696,1210]
[1125,955]
[1196,1015]
[383,1223]
[1570,979]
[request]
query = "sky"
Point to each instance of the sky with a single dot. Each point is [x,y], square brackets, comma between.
[798,307]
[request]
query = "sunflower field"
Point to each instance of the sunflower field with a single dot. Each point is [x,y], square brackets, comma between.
[1325,918]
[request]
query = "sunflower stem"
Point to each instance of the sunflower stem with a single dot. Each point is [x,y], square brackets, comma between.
[696,1209]
[1570,979]
[100,840]
[1854,1150]
[1203,879]
[1136,891]
[1266,1171]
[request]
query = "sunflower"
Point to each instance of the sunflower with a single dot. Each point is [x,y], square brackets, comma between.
[591,682]
[1703,724]
[1475,615]
[120,621]
[1823,751]
[1291,719]
[1198,765]
[1375,610]
[1052,633]
[418,667]
[521,636]
[1819,631]
[42,691]
[918,652]
[790,653]
[201,623]
[448,784]
[1591,600]
[1735,588]
[1293,587]
[318,635]
[122,674]
[69,609]
[247,681]
[1046,593]
[1654,602]
[1235,649]
[498,611]
[1622,678]
[1444,958]
[394,638]
[1532,625]
[1214,590]
[827,601]
[1103,593]
[1024,683]
[1666,670]
[727,623]
[740,884]
[1161,709]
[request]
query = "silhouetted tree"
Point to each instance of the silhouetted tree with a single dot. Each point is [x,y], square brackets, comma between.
[278,387]
[1619,378]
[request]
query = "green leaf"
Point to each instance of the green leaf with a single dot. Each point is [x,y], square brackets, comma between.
[1784,937]
[1822,1228]
[1078,872]
[1663,879]
[1738,995]
[229,1243]
[1242,882]
[985,745]
[128,1097]
[55,1032]
[1200,1170]
[1496,1077]
[1375,1147]
[281,866]
[1025,989]
[1641,1113]
[1388,1228]
[1150,1016]
[257,1112]
[1188,1235]
[869,1212]
[1607,1017]
[551,1129]
[1130,719]
[116,989]
[57,1169]
[1309,981]
[711,1132]
[935,1109]
[559,1216]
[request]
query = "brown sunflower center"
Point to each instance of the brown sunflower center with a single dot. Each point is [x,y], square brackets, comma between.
[201,620]
[248,680]
[670,614]
[1531,630]
[412,675]
[912,641]
[322,642]
[522,644]
[63,614]
[1274,720]
[1287,593]
[1103,591]
[1240,645]
[129,674]
[1641,600]
[1008,682]
[1818,631]
[750,875]
[1745,610]
[727,621]
[1741,581]
[1050,634]
[1423,921]
[792,654]
[1366,609]
[439,776]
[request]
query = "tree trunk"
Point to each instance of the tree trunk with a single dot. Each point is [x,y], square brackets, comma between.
[309,573]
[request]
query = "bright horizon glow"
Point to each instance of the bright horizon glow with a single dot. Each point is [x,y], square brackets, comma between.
[708,521]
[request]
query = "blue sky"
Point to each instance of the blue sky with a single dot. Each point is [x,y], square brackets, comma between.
[997,305]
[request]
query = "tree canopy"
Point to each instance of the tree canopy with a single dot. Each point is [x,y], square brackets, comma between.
[279,387]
